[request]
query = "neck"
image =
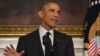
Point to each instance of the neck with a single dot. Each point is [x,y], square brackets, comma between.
[46,27]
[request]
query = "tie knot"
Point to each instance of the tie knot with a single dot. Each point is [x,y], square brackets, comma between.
[48,33]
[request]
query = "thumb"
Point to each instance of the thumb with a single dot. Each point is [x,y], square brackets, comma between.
[22,52]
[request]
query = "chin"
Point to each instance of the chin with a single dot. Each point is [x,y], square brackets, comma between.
[52,26]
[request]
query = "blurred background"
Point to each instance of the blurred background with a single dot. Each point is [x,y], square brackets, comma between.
[19,17]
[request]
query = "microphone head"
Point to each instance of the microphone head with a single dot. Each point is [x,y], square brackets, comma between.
[58,42]
[46,41]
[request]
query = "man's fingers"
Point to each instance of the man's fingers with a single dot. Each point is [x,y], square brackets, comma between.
[12,46]
[8,48]
[5,50]
[22,52]
[5,54]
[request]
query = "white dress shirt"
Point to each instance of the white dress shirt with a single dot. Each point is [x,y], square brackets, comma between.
[42,32]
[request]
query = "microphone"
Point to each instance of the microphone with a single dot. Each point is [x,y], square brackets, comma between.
[51,49]
[45,40]
[47,44]
[57,43]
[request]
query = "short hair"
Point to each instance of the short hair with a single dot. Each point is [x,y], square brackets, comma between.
[47,2]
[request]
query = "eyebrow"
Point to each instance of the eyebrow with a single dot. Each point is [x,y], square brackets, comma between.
[57,11]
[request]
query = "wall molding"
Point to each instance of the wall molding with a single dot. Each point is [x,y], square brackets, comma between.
[20,30]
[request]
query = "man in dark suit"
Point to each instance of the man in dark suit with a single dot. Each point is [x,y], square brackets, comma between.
[34,44]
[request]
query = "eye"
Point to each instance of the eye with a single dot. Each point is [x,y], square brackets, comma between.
[52,10]
[59,12]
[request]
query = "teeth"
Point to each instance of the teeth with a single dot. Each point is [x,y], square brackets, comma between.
[54,20]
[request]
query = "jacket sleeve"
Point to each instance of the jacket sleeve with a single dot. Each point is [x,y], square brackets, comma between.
[70,48]
[21,46]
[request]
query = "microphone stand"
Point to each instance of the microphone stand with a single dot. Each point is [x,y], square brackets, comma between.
[48,46]
[53,48]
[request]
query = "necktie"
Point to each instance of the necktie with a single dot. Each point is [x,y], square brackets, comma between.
[47,44]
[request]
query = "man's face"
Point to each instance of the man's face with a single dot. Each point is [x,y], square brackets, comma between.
[50,15]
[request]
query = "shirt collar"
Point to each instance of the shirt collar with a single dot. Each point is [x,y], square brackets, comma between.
[43,31]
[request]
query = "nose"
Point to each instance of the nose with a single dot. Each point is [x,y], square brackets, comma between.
[56,14]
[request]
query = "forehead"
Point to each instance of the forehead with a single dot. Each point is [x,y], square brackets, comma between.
[52,6]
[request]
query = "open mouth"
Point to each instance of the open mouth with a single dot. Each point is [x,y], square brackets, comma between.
[54,20]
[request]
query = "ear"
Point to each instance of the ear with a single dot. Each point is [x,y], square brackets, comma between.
[40,14]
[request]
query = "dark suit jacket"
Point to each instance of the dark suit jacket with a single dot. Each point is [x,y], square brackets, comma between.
[32,46]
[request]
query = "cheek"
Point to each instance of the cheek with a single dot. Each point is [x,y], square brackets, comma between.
[47,17]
